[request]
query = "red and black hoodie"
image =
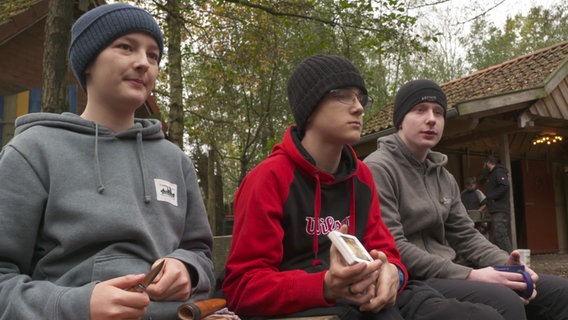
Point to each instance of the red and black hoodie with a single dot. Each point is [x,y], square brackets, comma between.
[284,209]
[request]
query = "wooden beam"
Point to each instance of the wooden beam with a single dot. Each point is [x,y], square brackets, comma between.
[20,22]
[505,156]
[501,103]
[479,135]
[458,126]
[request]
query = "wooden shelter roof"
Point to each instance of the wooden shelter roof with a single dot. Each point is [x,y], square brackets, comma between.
[526,72]
[523,97]
[22,35]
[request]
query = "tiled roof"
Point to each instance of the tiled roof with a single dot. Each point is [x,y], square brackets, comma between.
[522,73]
[8,9]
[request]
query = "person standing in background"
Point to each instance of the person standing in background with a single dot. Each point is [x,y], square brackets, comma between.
[474,201]
[472,197]
[498,202]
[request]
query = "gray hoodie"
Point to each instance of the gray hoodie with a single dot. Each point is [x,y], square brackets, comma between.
[80,204]
[420,204]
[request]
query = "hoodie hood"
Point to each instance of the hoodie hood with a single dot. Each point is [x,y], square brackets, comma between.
[143,129]
[292,147]
[435,161]
[148,128]
[395,144]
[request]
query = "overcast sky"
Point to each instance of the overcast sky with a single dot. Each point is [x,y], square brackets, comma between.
[509,8]
[465,10]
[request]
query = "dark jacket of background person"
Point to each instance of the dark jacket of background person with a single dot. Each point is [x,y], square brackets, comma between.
[498,190]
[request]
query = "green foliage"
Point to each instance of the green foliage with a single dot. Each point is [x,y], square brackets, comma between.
[13,7]
[238,55]
[489,45]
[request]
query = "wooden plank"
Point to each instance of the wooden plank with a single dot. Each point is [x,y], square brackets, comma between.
[562,98]
[8,118]
[22,103]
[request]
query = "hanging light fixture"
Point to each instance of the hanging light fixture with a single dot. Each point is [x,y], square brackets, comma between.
[547,138]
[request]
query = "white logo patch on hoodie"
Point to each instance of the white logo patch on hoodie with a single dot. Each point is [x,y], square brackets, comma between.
[166,191]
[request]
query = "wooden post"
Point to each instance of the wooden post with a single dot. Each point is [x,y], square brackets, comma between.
[505,157]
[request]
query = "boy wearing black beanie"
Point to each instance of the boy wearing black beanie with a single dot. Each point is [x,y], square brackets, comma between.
[281,260]
[421,205]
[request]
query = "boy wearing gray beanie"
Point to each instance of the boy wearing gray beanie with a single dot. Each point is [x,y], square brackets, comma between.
[103,197]
[421,205]
[97,28]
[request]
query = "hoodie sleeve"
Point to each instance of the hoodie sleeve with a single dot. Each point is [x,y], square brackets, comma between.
[22,200]
[197,240]
[465,239]
[434,259]
[420,263]
[377,235]
[253,283]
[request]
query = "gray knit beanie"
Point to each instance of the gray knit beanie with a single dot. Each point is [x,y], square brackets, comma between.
[413,93]
[314,78]
[97,28]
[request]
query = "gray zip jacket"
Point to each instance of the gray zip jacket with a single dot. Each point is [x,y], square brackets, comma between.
[420,204]
[80,204]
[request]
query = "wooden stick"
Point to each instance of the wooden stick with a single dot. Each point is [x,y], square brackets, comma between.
[200,309]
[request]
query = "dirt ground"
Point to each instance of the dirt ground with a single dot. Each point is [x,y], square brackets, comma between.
[556,264]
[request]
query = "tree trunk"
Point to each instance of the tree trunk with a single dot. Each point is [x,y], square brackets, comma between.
[220,211]
[211,208]
[57,37]
[176,118]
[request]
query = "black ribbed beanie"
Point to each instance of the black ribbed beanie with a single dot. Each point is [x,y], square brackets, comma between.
[312,80]
[413,93]
[97,28]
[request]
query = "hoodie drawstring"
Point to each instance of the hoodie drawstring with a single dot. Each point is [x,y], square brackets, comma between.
[143,167]
[141,158]
[317,208]
[443,200]
[352,208]
[100,186]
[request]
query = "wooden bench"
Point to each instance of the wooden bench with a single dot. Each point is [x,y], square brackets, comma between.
[221,247]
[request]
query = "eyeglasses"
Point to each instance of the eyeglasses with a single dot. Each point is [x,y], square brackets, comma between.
[349,97]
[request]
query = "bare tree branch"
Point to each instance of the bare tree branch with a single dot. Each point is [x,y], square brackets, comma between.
[484,12]
[332,23]
[279,13]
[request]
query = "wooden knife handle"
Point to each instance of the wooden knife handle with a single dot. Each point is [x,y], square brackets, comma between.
[200,309]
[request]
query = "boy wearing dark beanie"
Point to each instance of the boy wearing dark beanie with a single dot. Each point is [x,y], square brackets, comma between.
[102,197]
[413,93]
[314,78]
[421,205]
[281,260]
[97,28]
